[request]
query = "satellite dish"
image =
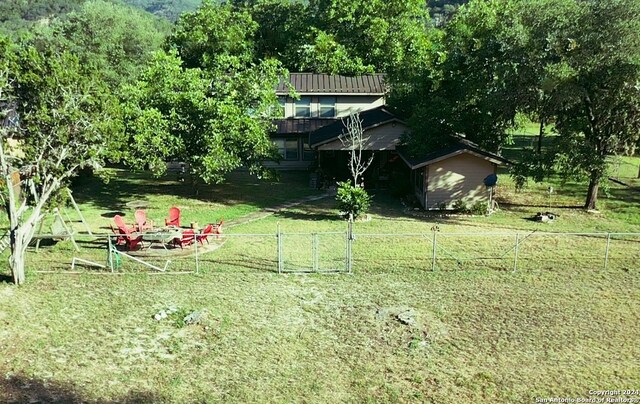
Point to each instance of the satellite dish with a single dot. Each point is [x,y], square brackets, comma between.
[491,180]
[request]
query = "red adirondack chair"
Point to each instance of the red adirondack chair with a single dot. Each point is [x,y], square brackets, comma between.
[121,224]
[174,217]
[217,228]
[209,230]
[119,240]
[188,238]
[130,241]
[142,222]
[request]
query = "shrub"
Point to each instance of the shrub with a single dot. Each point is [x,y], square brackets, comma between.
[479,208]
[352,200]
[460,206]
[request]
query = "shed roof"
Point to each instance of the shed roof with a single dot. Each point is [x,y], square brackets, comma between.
[370,119]
[319,84]
[459,147]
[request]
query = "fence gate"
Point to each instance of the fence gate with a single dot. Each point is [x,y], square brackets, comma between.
[313,252]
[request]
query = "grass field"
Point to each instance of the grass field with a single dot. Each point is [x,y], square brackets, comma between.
[394,331]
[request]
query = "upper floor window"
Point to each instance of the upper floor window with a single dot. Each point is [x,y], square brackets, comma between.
[327,107]
[303,108]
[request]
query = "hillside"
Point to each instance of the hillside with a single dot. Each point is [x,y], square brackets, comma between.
[169,9]
[19,15]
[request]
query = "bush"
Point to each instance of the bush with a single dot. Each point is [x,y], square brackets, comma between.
[352,200]
[480,208]
[460,206]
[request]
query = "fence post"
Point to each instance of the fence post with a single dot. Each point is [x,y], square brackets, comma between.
[606,252]
[515,256]
[197,262]
[109,253]
[434,249]
[349,246]
[279,247]
[314,251]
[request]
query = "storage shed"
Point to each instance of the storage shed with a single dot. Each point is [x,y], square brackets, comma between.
[454,173]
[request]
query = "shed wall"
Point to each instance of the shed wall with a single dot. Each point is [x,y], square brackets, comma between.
[457,178]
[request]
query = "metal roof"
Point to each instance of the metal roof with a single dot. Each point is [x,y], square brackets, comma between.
[315,83]
[460,146]
[370,118]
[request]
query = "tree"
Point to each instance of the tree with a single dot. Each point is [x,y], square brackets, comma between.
[384,34]
[353,199]
[214,37]
[283,27]
[206,101]
[353,139]
[575,64]
[591,84]
[481,81]
[62,120]
[117,40]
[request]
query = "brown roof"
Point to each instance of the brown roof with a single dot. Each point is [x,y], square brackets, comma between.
[313,83]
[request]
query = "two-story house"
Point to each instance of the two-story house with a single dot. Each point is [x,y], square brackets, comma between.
[323,100]
[311,133]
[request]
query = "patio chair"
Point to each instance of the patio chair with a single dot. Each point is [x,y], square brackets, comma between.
[204,236]
[130,241]
[120,239]
[119,221]
[217,228]
[142,222]
[174,217]
[188,238]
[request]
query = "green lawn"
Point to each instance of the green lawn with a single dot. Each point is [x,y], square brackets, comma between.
[473,330]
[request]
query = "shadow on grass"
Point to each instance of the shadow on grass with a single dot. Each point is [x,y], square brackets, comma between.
[22,389]
[264,265]
[129,189]
[310,214]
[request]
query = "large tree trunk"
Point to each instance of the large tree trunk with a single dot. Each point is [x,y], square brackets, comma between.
[16,260]
[540,136]
[592,193]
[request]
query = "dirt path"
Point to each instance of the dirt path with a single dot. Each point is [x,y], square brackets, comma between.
[270,211]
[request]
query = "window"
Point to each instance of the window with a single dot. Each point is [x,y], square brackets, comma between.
[308,154]
[327,107]
[303,107]
[281,111]
[288,148]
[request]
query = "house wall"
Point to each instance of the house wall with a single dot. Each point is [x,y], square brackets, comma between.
[302,162]
[345,104]
[383,137]
[457,178]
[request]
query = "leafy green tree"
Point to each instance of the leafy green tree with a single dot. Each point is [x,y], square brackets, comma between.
[215,37]
[283,26]
[117,40]
[481,80]
[323,54]
[56,116]
[331,36]
[207,101]
[575,64]
[384,34]
[214,120]
[593,85]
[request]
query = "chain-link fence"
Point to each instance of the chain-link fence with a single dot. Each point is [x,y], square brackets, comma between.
[345,251]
